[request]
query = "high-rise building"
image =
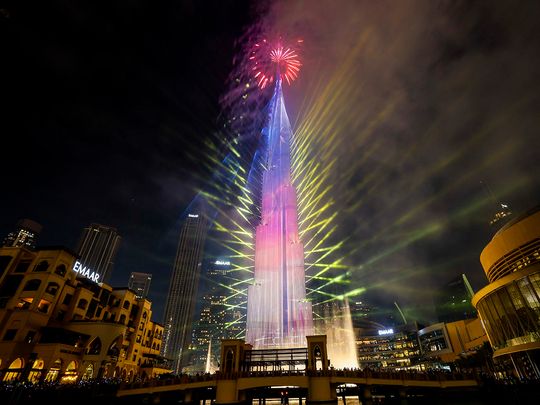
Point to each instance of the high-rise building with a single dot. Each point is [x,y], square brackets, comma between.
[453,300]
[279,315]
[183,287]
[509,306]
[220,312]
[97,249]
[140,283]
[24,235]
[502,212]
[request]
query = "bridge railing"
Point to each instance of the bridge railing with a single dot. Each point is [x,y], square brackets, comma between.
[346,373]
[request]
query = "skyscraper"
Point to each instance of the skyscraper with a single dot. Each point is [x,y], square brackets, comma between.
[25,234]
[220,311]
[97,249]
[501,213]
[278,313]
[140,283]
[180,304]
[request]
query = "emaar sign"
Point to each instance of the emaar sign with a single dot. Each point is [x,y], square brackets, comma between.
[85,272]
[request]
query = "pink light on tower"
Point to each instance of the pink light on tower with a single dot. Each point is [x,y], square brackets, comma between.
[278,314]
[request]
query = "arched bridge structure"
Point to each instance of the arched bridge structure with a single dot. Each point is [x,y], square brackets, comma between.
[241,382]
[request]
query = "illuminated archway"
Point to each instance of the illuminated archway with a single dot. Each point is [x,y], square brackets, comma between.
[36,371]
[54,371]
[88,372]
[14,370]
[70,375]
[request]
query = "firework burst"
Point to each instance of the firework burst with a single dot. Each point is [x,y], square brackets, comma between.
[271,60]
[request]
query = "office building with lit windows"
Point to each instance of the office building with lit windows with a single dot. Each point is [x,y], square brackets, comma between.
[395,348]
[57,324]
[24,235]
[509,305]
[220,313]
[183,288]
[97,249]
[140,283]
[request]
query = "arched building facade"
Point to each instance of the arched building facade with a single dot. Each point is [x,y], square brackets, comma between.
[58,325]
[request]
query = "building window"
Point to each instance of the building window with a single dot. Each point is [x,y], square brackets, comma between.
[42,266]
[22,267]
[10,334]
[30,336]
[52,288]
[126,305]
[67,299]
[24,303]
[44,306]
[82,304]
[32,285]
[61,270]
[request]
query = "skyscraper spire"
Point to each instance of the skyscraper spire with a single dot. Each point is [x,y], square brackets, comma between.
[278,313]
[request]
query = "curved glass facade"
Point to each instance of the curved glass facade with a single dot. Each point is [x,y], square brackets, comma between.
[511,313]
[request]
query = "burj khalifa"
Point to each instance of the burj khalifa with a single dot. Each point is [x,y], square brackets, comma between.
[278,316]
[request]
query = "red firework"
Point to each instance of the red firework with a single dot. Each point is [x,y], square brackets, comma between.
[271,60]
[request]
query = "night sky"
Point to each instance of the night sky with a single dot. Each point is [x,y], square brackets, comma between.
[107,107]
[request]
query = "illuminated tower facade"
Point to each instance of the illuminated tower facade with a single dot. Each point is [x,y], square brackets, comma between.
[97,248]
[278,314]
[183,286]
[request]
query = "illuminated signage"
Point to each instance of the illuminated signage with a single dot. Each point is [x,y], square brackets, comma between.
[222,263]
[386,331]
[85,272]
[193,215]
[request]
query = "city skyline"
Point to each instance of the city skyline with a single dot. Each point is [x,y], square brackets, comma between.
[427,103]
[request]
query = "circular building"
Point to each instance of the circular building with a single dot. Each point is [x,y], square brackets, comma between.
[509,306]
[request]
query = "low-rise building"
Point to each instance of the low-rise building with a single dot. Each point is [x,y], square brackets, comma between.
[448,342]
[57,323]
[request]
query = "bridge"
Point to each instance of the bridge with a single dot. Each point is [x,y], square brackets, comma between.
[241,380]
